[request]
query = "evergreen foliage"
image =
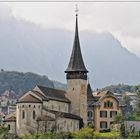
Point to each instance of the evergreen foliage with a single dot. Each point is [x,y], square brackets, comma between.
[120,88]
[22,82]
[138,100]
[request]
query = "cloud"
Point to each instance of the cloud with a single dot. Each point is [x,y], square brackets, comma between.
[121,19]
[5,11]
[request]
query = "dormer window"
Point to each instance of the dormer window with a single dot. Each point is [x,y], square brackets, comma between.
[108,104]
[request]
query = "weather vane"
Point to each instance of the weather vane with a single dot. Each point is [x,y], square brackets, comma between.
[76,10]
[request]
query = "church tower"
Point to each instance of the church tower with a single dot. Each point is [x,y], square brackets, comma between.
[76,74]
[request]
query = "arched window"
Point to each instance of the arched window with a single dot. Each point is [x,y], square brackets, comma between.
[34,106]
[23,114]
[71,124]
[33,114]
[8,126]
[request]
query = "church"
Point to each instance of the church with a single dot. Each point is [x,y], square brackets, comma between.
[45,109]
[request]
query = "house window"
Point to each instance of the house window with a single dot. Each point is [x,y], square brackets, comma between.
[113,113]
[108,104]
[105,104]
[8,126]
[103,114]
[103,124]
[33,114]
[23,114]
[90,115]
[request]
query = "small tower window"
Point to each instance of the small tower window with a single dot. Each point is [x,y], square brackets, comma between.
[23,114]
[39,106]
[29,106]
[71,124]
[33,114]
[8,126]
[34,106]
[22,106]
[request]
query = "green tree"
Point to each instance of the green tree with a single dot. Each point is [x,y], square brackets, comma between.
[138,100]
[118,118]
[122,130]
[3,132]
[126,100]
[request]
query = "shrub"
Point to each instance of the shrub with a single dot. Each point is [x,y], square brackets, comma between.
[106,135]
[133,135]
[84,133]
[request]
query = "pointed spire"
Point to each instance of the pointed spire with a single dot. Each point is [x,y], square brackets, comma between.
[76,63]
[89,93]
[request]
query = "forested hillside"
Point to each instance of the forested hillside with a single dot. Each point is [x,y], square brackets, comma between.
[120,88]
[21,82]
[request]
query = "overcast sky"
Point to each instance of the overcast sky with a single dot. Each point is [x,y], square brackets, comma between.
[121,19]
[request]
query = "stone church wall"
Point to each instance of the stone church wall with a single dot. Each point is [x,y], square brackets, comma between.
[27,123]
[56,105]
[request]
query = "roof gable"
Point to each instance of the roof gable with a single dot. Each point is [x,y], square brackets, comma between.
[54,94]
[29,98]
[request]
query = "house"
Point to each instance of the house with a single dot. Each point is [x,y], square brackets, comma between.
[105,108]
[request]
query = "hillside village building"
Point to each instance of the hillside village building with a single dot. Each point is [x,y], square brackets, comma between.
[45,109]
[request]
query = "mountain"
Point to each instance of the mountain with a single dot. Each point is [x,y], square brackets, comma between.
[121,88]
[25,46]
[20,82]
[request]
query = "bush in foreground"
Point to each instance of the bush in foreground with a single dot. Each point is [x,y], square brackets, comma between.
[84,133]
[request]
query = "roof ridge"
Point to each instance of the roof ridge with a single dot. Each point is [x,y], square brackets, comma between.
[51,88]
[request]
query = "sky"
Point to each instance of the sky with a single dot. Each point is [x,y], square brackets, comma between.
[122,19]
